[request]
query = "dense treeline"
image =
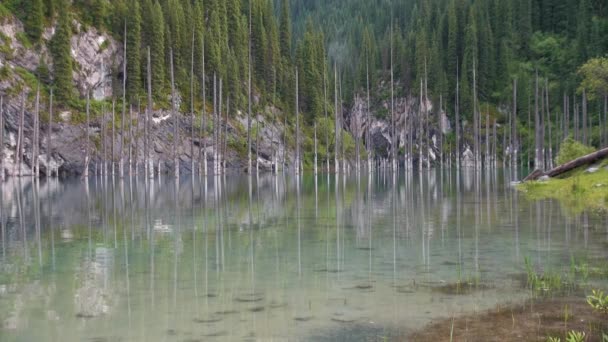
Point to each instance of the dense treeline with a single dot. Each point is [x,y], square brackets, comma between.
[486,43]
[219,29]
[507,39]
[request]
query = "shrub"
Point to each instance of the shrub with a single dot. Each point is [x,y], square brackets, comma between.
[570,150]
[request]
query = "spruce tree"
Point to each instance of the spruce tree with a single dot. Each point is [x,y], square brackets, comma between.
[133,26]
[62,58]
[157,51]
[33,24]
[285,30]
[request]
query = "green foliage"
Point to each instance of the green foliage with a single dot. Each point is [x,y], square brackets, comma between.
[62,59]
[33,23]
[570,150]
[598,301]
[595,77]
[133,27]
[546,283]
[575,336]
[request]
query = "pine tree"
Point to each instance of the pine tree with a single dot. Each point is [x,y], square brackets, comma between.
[285,30]
[33,24]
[133,26]
[62,58]
[157,52]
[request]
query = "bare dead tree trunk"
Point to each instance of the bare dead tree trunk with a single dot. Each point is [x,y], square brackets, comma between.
[457,117]
[487,141]
[2,140]
[249,96]
[475,118]
[326,117]
[148,167]
[550,156]
[494,145]
[225,145]
[124,106]
[585,141]
[427,131]
[203,129]
[113,134]
[87,156]
[215,123]
[419,133]
[130,148]
[219,131]
[19,147]
[104,143]
[337,124]
[393,128]
[175,119]
[370,145]
[36,135]
[576,118]
[566,120]
[538,157]
[606,119]
[297,161]
[50,141]
[515,147]
[440,120]
[315,166]
[192,168]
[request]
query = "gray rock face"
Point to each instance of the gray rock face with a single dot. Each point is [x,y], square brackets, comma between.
[97,55]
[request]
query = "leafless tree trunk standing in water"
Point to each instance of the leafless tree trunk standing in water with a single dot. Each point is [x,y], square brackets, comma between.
[218,146]
[297,161]
[175,119]
[148,167]
[393,124]
[36,136]
[475,118]
[192,165]
[19,147]
[203,129]
[419,134]
[370,147]
[225,143]
[130,146]
[113,135]
[550,156]
[537,148]
[326,117]
[315,166]
[585,141]
[87,156]
[124,106]
[2,138]
[457,117]
[514,143]
[336,128]
[249,97]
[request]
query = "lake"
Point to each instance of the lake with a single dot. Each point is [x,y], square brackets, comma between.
[319,258]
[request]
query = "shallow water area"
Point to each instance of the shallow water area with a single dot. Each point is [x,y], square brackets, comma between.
[355,257]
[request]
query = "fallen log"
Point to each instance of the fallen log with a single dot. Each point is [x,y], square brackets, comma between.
[571,165]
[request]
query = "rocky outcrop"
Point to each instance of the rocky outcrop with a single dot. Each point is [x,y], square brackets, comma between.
[97,55]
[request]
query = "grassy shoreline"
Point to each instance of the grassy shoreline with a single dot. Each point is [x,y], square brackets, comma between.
[578,191]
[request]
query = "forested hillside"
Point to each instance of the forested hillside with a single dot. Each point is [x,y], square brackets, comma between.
[468,54]
[506,39]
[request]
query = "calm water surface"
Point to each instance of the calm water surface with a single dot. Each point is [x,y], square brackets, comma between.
[274,258]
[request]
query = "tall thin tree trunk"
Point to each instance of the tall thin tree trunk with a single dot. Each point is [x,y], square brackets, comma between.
[204,114]
[36,135]
[297,162]
[326,116]
[440,120]
[87,156]
[225,146]
[427,131]
[514,143]
[370,146]
[2,141]
[219,129]
[537,125]
[605,119]
[113,135]
[475,118]
[585,141]
[576,118]
[487,141]
[19,147]
[175,119]
[249,97]
[124,105]
[419,134]
[457,117]
[337,124]
[393,124]
[315,166]
[549,124]
[192,166]
[148,167]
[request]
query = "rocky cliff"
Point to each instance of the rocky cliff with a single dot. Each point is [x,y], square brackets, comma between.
[97,55]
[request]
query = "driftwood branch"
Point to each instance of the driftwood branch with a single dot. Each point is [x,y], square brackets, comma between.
[584,160]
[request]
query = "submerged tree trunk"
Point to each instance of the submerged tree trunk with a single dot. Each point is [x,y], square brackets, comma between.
[585,141]
[538,157]
[514,143]
[148,167]
[36,136]
[85,173]
[336,125]
[457,118]
[2,140]
[584,160]
[124,104]
[19,147]
[175,120]
[297,162]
